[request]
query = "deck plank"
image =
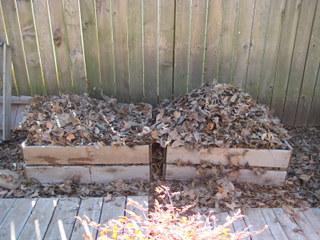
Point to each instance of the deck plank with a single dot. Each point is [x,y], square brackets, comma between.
[63,220]
[273,224]
[256,222]
[12,225]
[90,207]
[5,207]
[292,230]
[141,200]
[222,219]
[313,216]
[37,224]
[239,225]
[305,225]
[112,209]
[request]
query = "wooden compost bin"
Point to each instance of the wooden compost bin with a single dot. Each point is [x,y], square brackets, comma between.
[86,164]
[260,166]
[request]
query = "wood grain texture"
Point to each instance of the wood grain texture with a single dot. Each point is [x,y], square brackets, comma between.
[91,46]
[6,92]
[181,47]
[273,224]
[5,207]
[301,49]
[233,156]
[112,209]
[15,40]
[106,46]
[44,33]
[83,155]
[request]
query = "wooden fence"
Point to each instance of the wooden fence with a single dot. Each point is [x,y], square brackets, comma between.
[154,49]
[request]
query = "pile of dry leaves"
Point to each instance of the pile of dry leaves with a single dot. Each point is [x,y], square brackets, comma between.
[219,115]
[81,120]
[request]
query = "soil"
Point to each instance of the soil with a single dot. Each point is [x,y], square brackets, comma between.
[302,188]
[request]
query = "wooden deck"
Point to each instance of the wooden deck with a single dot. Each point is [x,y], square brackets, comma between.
[50,218]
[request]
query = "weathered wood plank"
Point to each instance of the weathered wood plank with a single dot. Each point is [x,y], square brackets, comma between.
[71,16]
[91,46]
[5,207]
[29,36]
[212,48]
[104,174]
[6,92]
[23,100]
[61,48]
[150,67]
[12,225]
[166,35]
[181,47]
[313,217]
[37,224]
[288,33]
[82,155]
[44,34]
[307,14]
[90,207]
[258,38]
[304,107]
[267,177]
[239,225]
[18,58]
[314,114]
[273,224]
[256,222]
[198,24]
[221,219]
[135,46]
[272,42]
[292,230]
[243,41]
[140,200]
[112,209]
[234,156]
[120,34]
[307,228]
[63,219]
[229,16]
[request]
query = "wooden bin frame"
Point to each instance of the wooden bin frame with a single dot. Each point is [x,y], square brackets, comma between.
[86,164]
[181,163]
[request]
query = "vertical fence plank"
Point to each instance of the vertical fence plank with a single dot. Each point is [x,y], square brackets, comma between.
[166,18]
[288,33]
[105,32]
[71,13]
[18,58]
[135,49]
[198,17]
[271,51]
[310,75]
[314,113]
[242,42]
[299,60]
[61,48]
[181,47]
[261,18]
[212,50]
[150,29]
[42,24]
[229,15]
[30,47]
[120,34]
[91,46]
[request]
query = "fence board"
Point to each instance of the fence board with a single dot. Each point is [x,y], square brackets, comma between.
[290,21]
[71,14]
[61,48]
[310,74]
[91,46]
[212,49]
[181,47]
[273,34]
[166,25]
[14,37]
[314,114]
[299,59]
[243,38]
[135,49]
[229,18]
[42,24]
[150,30]
[258,38]
[106,46]
[30,46]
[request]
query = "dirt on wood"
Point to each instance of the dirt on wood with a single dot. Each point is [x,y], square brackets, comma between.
[302,188]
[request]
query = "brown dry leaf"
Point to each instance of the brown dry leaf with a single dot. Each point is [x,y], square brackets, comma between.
[70,137]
